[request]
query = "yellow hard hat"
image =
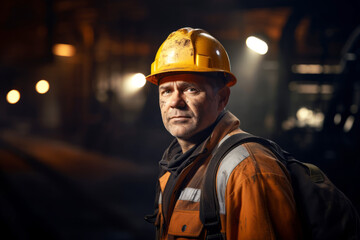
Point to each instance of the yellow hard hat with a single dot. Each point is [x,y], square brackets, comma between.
[190,50]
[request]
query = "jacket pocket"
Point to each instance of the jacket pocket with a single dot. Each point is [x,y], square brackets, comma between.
[185,224]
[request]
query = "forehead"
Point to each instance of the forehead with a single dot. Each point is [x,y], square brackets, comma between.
[196,79]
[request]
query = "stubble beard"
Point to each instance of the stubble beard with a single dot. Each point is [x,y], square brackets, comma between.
[182,129]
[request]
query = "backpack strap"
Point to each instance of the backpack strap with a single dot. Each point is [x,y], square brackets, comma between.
[209,205]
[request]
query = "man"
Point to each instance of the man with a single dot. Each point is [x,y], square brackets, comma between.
[255,196]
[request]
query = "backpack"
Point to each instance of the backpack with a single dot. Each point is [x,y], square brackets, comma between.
[325,212]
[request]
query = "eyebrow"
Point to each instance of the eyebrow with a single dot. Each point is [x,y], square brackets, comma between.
[163,87]
[187,84]
[180,85]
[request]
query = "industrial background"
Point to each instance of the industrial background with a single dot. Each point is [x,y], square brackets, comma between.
[80,130]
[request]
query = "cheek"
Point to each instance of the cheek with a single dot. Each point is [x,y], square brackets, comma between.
[203,106]
[163,109]
[162,104]
[207,111]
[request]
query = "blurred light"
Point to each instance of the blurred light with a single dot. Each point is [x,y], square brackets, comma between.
[257,45]
[13,96]
[303,113]
[349,123]
[315,68]
[311,88]
[337,118]
[307,68]
[64,50]
[307,117]
[138,80]
[42,86]
[134,82]
[127,89]
[317,120]
[289,123]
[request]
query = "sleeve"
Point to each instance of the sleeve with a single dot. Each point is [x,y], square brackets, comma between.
[259,201]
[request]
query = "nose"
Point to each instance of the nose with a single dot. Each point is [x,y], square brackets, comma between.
[177,100]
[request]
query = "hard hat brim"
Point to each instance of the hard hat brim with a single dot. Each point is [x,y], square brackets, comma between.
[155,78]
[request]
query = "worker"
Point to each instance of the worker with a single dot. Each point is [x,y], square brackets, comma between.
[192,72]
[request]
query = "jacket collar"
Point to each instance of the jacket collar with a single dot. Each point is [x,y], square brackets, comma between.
[175,161]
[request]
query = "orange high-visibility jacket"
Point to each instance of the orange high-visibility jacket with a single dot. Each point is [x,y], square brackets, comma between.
[254,192]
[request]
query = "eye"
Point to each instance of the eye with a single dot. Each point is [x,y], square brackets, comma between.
[191,90]
[165,92]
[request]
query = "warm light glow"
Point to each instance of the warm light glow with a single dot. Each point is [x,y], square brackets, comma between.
[307,117]
[138,80]
[42,86]
[64,50]
[307,68]
[337,119]
[315,69]
[13,96]
[257,45]
[303,113]
[349,123]
[134,83]
[309,88]
[128,89]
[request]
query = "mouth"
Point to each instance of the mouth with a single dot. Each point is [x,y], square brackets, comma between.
[180,117]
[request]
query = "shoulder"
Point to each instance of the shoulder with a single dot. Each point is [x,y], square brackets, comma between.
[247,161]
[252,158]
[264,160]
[248,167]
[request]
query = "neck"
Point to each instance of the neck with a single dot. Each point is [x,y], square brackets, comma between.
[188,143]
[185,145]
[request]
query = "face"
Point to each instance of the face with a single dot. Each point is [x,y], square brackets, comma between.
[188,104]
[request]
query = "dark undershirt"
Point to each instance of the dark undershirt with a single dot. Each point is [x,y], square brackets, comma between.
[175,162]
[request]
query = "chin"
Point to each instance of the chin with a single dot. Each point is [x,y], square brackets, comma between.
[182,135]
[182,131]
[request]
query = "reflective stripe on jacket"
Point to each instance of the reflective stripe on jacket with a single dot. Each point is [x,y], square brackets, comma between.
[254,193]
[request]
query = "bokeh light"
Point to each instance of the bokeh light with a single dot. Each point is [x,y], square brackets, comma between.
[64,50]
[134,82]
[42,86]
[13,96]
[257,45]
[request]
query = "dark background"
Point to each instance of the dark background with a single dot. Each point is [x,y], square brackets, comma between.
[80,162]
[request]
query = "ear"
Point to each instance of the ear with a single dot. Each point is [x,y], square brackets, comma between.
[223,95]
